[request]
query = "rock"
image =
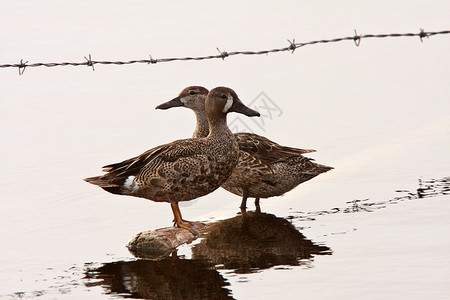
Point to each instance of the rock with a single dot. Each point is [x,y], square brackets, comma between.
[160,243]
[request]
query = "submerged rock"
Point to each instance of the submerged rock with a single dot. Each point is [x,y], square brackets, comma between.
[160,243]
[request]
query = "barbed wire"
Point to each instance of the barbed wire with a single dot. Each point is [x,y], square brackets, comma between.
[356,38]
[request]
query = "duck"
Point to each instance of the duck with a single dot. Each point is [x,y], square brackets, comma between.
[265,168]
[183,169]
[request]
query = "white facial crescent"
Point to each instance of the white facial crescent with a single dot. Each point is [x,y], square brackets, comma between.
[228,104]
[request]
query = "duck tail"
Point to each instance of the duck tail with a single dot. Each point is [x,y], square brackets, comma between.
[106,184]
[323,168]
[307,150]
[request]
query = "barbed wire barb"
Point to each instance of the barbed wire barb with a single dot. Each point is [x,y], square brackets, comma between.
[223,54]
[152,60]
[356,38]
[89,62]
[292,45]
[422,35]
[22,67]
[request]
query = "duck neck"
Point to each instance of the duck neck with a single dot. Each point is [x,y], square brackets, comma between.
[218,126]
[202,126]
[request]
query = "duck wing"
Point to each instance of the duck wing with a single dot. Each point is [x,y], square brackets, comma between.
[150,159]
[155,164]
[266,150]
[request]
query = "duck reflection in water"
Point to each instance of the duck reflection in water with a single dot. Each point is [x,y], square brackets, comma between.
[170,278]
[243,244]
[256,241]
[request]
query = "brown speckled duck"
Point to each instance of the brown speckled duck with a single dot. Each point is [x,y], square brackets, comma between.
[184,169]
[265,169]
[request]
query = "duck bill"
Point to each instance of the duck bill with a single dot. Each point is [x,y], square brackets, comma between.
[239,107]
[175,102]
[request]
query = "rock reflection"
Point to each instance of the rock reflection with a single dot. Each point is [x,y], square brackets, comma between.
[256,242]
[170,278]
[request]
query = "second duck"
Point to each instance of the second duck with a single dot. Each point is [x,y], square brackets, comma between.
[265,169]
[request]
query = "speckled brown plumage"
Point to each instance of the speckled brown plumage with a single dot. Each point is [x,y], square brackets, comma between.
[181,171]
[184,169]
[286,173]
[265,169]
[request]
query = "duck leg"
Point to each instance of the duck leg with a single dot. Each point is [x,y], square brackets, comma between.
[258,208]
[244,199]
[183,223]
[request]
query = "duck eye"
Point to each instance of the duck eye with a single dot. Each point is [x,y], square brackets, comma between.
[191,93]
[223,96]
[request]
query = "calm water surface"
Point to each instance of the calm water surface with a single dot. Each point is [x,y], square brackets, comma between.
[375,227]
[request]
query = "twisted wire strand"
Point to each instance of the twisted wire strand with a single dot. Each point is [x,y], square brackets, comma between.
[223,54]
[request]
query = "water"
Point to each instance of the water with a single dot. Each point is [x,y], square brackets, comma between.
[377,113]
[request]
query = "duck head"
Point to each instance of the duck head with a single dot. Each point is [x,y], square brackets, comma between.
[223,100]
[192,97]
